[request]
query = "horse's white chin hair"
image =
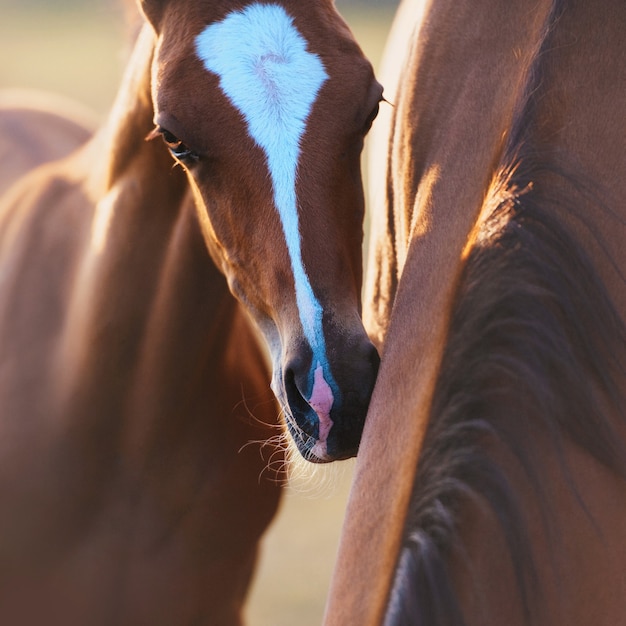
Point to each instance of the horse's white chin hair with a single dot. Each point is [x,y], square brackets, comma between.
[319,452]
[312,479]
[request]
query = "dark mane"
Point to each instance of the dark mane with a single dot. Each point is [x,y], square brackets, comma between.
[531,340]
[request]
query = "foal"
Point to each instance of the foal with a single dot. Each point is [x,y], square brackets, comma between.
[266,106]
[128,373]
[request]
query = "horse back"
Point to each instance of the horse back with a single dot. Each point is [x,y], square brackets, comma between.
[36,128]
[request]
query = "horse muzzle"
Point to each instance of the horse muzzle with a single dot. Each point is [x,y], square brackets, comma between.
[325,401]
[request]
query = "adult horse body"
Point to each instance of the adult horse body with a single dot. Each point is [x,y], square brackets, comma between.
[125,365]
[36,128]
[128,371]
[490,485]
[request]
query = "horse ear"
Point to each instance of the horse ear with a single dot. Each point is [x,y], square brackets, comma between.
[153,10]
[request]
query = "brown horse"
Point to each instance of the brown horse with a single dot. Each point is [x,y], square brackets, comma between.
[127,496]
[490,486]
[271,147]
[127,371]
[36,128]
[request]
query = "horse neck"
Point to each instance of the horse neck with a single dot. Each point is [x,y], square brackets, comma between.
[445,151]
[117,150]
[441,139]
[145,275]
[568,134]
[452,116]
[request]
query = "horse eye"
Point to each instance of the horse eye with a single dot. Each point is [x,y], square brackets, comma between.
[169,138]
[179,150]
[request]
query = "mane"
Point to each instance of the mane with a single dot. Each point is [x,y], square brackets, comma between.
[531,323]
[531,347]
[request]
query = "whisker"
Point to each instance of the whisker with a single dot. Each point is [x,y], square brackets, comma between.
[252,415]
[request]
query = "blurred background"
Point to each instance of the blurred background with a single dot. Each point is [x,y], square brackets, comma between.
[78,49]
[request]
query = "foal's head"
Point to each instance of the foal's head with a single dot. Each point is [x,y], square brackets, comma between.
[266,104]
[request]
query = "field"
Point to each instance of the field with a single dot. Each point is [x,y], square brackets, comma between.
[81,53]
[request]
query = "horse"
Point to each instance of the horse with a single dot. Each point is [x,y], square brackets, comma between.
[125,504]
[273,158]
[490,486]
[37,127]
[131,380]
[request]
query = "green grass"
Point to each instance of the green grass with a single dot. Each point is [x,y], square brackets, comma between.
[81,53]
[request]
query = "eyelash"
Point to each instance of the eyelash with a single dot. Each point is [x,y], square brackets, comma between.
[181,152]
[177,148]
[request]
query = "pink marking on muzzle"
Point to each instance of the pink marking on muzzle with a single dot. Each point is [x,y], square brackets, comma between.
[321,402]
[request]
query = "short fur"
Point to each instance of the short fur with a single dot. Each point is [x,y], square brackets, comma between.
[535,346]
[268,74]
[531,345]
[490,484]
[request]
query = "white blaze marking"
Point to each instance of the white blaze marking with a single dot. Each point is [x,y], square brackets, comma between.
[322,402]
[268,74]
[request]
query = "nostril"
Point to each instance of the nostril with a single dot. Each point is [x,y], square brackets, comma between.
[299,407]
[326,403]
